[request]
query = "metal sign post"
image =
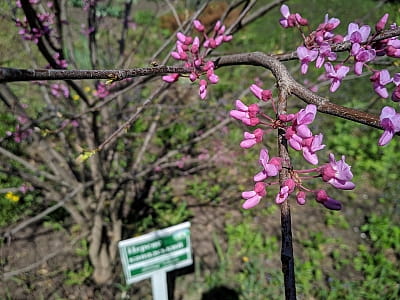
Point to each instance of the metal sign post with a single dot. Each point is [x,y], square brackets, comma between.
[154,254]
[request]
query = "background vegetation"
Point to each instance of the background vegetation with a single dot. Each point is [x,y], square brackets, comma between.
[351,254]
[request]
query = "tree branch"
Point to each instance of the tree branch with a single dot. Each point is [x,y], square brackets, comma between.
[11,74]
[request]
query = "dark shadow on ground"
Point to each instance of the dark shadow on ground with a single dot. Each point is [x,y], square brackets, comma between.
[220,293]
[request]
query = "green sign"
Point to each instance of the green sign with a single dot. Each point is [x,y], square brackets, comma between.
[163,250]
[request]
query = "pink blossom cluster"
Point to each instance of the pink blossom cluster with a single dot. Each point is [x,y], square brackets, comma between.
[20,133]
[300,138]
[33,34]
[192,51]
[101,90]
[58,90]
[317,47]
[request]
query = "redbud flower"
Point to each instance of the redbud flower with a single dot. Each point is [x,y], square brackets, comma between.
[306,115]
[357,34]
[291,20]
[390,121]
[336,74]
[306,56]
[379,80]
[337,173]
[270,167]
[380,25]
[311,146]
[250,139]
[198,26]
[325,52]
[396,92]
[285,191]
[186,40]
[246,114]
[253,197]
[171,77]
[330,24]
[261,94]
[361,56]
[322,197]
[301,197]
[203,89]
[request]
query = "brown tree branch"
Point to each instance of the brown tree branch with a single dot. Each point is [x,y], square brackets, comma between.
[282,75]
[11,74]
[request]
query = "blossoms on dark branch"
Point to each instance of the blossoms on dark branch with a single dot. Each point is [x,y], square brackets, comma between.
[390,121]
[192,53]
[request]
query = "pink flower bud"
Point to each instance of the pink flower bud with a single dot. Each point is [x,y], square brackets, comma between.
[381,23]
[301,197]
[198,26]
[171,77]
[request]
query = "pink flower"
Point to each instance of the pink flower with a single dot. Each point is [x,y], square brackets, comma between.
[270,167]
[336,74]
[253,197]
[396,92]
[250,139]
[306,56]
[380,25]
[337,173]
[58,89]
[101,91]
[246,114]
[379,80]
[186,40]
[171,77]
[322,197]
[198,26]
[390,121]
[324,52]
[261,94]
[301,197]
[203,89]
[361,57]
[285,191]
[311,146]
[291,20]
[357,34]
[306,115]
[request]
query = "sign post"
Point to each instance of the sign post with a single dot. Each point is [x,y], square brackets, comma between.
[154,254]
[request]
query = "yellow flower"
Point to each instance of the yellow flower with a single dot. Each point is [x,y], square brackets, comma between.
[245,259]
[75,97]
[12,197]
[87,89]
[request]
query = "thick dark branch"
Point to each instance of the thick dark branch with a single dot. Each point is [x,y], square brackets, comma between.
[287,257]
[10,74]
